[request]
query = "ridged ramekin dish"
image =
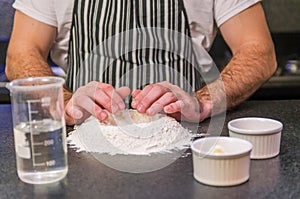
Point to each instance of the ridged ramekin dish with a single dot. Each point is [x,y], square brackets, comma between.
[263,133]
[221,161]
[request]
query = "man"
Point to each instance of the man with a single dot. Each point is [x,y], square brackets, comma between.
[76,31]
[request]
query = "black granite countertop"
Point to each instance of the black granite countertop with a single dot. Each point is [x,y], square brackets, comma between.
[278,177]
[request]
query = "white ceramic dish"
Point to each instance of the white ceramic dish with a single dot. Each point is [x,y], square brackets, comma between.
[263,133]
[221,161]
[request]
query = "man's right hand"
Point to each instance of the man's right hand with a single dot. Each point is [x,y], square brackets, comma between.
[93,99]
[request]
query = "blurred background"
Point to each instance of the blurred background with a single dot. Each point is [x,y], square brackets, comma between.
[283,17]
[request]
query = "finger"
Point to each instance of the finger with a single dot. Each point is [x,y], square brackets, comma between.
[76,117]
[183,105]
[136,92]
[186,109]
[123,91]
[148,96]
[134,102]
[175,110]
[140,95]
[74,112]
[107,97]
[163,101]
[69,120]
[87,106]
[174,107]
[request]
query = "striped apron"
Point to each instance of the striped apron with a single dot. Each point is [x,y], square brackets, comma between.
[131,43]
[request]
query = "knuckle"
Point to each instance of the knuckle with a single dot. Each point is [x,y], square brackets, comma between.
[92,84]
[80,89]
[146,101]
[164,83]
[158,104]
[149,87]
[161,89]
[107,102]
[171,95]
[104,86]
[78,99]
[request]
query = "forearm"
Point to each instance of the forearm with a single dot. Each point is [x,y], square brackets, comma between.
[251,65]
[26,63]
[29,63]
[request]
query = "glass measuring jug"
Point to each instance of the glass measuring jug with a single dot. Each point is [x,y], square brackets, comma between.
[39,129]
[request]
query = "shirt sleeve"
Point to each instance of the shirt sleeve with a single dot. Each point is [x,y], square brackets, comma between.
[41,10]
[225,9]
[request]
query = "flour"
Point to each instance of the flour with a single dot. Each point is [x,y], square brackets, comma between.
[161,135]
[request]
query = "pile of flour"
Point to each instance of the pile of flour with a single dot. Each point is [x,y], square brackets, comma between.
[158,136]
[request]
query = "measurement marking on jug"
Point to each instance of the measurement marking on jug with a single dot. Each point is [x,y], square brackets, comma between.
[39,164]
[44,102]
[34,112]
[48,142]
[50,163]
[38,143]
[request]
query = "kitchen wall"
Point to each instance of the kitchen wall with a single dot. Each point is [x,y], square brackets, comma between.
[6,21]
[284,21]
[283,15]
[6,16]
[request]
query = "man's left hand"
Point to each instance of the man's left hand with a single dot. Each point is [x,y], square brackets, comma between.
[169,98]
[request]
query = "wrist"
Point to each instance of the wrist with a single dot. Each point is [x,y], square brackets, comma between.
[205,103]
[67,96]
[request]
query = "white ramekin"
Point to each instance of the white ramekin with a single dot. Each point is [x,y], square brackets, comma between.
[227,168]
[263,133]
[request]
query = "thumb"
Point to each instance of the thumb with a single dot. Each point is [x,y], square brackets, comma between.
[72,114]
[123,91]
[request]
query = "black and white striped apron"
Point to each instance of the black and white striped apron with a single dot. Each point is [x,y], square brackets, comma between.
[131,43]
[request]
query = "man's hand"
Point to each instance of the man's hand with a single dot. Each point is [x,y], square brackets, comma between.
[169,98]
[93,99]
